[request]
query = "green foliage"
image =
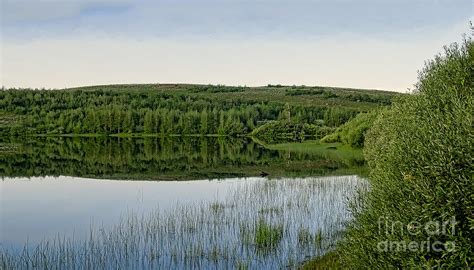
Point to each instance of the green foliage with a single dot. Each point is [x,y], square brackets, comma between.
[285,130]
[304,92]
[267,236]
[353,132]
[329,260]
[169,109]
[328,93]
[421,161]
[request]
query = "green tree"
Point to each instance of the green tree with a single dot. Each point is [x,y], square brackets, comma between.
[148,122]
[128,122]
[203,128]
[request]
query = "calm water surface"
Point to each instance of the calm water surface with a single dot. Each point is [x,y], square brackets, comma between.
[93,218]
[37,208]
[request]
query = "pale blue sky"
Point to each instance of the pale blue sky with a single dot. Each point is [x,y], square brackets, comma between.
[367,43]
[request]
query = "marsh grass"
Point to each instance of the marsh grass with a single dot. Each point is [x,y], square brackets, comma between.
[268,236]
[230,232]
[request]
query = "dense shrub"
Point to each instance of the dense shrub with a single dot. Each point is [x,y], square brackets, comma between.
[304,92]
[421,161]
[285,131]
[353,132]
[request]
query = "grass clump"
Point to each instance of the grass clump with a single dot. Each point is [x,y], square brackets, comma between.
[267,235]
[271,210]
[328,261]
[419,211]
[305,237]
[217,207]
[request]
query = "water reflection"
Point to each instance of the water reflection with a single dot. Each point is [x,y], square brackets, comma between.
[158,158]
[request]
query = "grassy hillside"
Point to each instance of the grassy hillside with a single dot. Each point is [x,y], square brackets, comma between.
[300,95]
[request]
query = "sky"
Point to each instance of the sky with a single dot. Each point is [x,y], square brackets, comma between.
[374,44]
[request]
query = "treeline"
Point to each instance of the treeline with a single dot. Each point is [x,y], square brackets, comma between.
[117,109]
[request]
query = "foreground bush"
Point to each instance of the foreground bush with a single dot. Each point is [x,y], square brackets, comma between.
[420,210]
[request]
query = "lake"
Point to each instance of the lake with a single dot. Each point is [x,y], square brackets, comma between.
[80,203]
